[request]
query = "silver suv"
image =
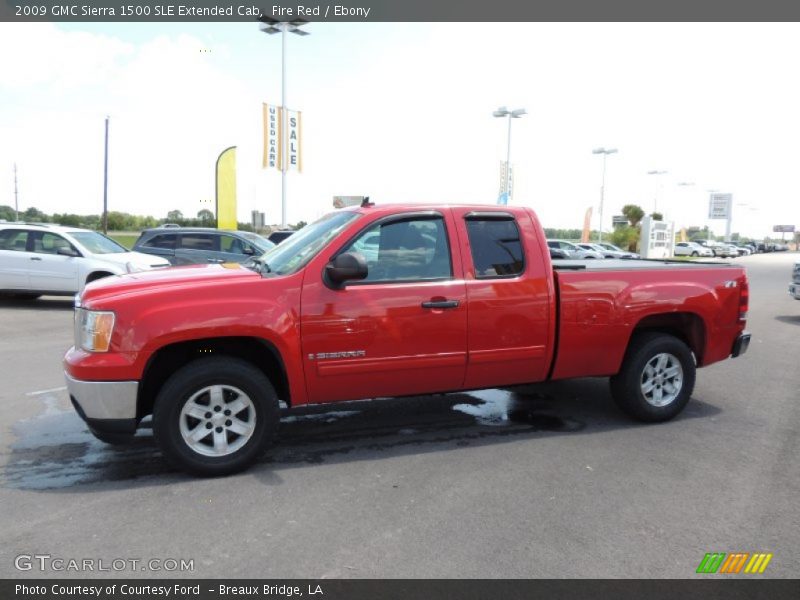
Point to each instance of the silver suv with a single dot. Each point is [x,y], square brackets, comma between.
[37,259]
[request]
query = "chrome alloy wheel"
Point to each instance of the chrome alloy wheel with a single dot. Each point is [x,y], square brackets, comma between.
[217,420]
[662,379]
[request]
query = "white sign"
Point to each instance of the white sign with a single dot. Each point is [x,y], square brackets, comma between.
[719,206]
[294,158]
[503,167]
[272,137]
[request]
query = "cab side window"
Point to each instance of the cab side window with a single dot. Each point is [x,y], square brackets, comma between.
[13,239]
[410,249]
[49,243]
[200,241]
[496,247]
[233,245]
[166,241]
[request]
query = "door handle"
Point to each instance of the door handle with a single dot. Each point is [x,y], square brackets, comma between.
[218,261]
[440,304]
[36,258]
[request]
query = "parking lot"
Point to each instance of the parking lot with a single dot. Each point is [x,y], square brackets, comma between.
[541,481]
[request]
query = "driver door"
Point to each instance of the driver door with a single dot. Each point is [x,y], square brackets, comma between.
[402,330]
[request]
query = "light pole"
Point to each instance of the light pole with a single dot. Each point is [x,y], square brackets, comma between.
[605,152]
[270,27]
[655,199]
[511,114]
[16,198]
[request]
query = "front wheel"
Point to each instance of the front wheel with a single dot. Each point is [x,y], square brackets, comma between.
[657,377]
[695,254]
[215,416]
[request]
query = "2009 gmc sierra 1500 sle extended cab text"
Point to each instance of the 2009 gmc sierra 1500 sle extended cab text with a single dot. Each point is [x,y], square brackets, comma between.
[387,301]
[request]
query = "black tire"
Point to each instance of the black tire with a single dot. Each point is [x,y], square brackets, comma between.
[627,386]
[695,253]
[239,379]
[21,296]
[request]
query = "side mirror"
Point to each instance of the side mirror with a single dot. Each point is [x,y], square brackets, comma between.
[350,266]
[248,250]
[66,251]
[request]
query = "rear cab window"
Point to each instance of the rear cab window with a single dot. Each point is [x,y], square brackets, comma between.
[495,244]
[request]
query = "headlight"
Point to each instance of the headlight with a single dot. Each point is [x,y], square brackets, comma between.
[93,329]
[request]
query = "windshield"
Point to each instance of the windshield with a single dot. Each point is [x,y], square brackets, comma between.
[97,243]
[298,249]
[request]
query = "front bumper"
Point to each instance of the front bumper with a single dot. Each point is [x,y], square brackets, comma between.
[740,345]
[108,407]
[794,290]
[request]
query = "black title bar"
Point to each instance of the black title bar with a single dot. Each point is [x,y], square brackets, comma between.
[401,10]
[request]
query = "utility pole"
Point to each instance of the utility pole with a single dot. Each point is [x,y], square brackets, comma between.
[105,184]
[16,198]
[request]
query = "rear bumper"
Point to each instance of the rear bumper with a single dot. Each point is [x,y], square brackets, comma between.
[108,407]
[740,345]
[794,290]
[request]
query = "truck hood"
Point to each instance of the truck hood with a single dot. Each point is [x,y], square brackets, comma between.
[192,276]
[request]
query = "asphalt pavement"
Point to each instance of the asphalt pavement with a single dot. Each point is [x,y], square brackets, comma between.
[541,481]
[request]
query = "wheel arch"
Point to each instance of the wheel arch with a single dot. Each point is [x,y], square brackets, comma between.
[688,327]
[166,360]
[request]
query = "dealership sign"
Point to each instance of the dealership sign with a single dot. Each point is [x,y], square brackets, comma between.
[783,228]
[719,206]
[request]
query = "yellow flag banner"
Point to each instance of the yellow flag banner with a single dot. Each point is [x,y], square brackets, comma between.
[587,225]
[226,189]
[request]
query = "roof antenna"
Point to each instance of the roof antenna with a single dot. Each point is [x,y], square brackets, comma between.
[365,202]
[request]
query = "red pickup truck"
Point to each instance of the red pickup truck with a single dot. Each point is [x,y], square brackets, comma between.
[387,301]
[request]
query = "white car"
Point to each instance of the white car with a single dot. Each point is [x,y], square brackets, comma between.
[37,259]
[692,249]
[574,251]
[626,254]
[608,250]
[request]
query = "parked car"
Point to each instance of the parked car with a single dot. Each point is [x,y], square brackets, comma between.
[614,248]
[605,252]
[718,248]
[458,298]
[574,251]
[794,286]
[558,253]
[59,261]
[692,249]
[276,237]
[199,245]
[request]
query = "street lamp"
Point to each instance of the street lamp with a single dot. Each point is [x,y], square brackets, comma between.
[511,114]
[655,199]
[271,27]
[605,152]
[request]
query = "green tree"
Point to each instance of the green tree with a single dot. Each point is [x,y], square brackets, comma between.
[175,215]
[205,215]
[7,213]
[34,214]
[633,213]
[626,237]
[657,216]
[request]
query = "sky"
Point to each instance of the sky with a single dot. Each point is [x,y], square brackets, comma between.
[402,112]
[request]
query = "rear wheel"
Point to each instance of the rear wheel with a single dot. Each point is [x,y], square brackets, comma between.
[657,377]
[215,416]
[695,253]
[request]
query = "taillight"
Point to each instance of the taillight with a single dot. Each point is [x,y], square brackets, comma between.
[744,299]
